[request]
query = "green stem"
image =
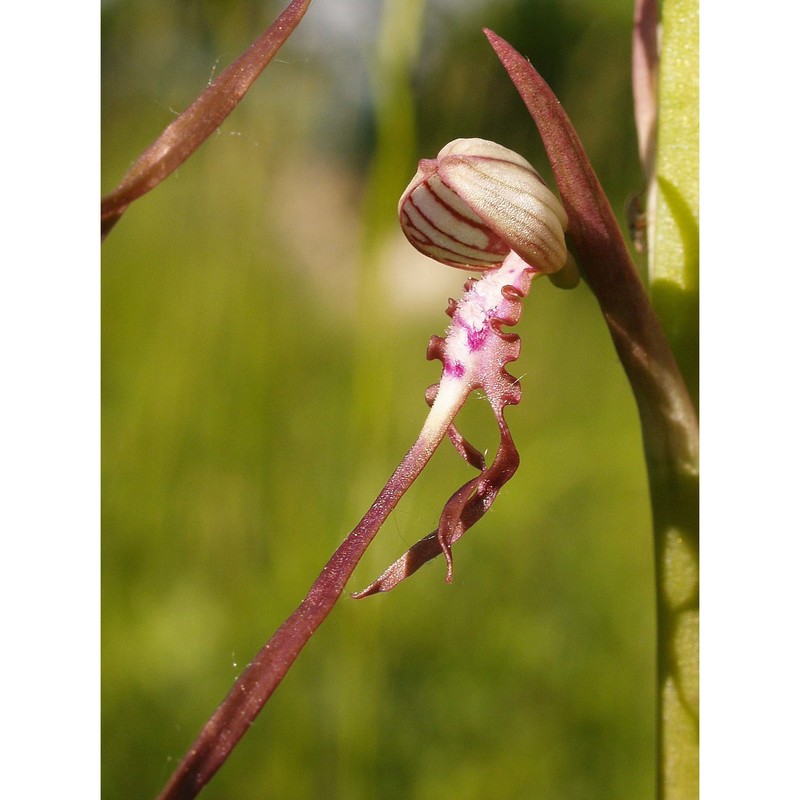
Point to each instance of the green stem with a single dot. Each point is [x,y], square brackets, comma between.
[674,267]
[677,579]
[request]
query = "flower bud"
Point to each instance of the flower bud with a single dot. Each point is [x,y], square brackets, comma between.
[476,202]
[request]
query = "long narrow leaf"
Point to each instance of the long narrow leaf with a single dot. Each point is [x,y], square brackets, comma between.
[191,128]
[668,416]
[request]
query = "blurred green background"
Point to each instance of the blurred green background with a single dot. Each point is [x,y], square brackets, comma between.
[264,335]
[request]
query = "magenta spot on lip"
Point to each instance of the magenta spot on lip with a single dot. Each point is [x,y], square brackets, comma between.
[454,369]
[475,339]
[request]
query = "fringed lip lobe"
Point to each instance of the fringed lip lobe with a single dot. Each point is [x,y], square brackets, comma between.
[473,354]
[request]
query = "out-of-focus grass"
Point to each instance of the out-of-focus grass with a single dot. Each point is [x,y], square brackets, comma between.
[236,453]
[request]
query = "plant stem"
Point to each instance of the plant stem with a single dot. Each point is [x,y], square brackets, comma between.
[675,513]
[674,286]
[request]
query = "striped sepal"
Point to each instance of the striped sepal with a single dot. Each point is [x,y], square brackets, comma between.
[441,225]
[478,201]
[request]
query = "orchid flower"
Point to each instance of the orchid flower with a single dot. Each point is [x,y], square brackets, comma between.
[478,206]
